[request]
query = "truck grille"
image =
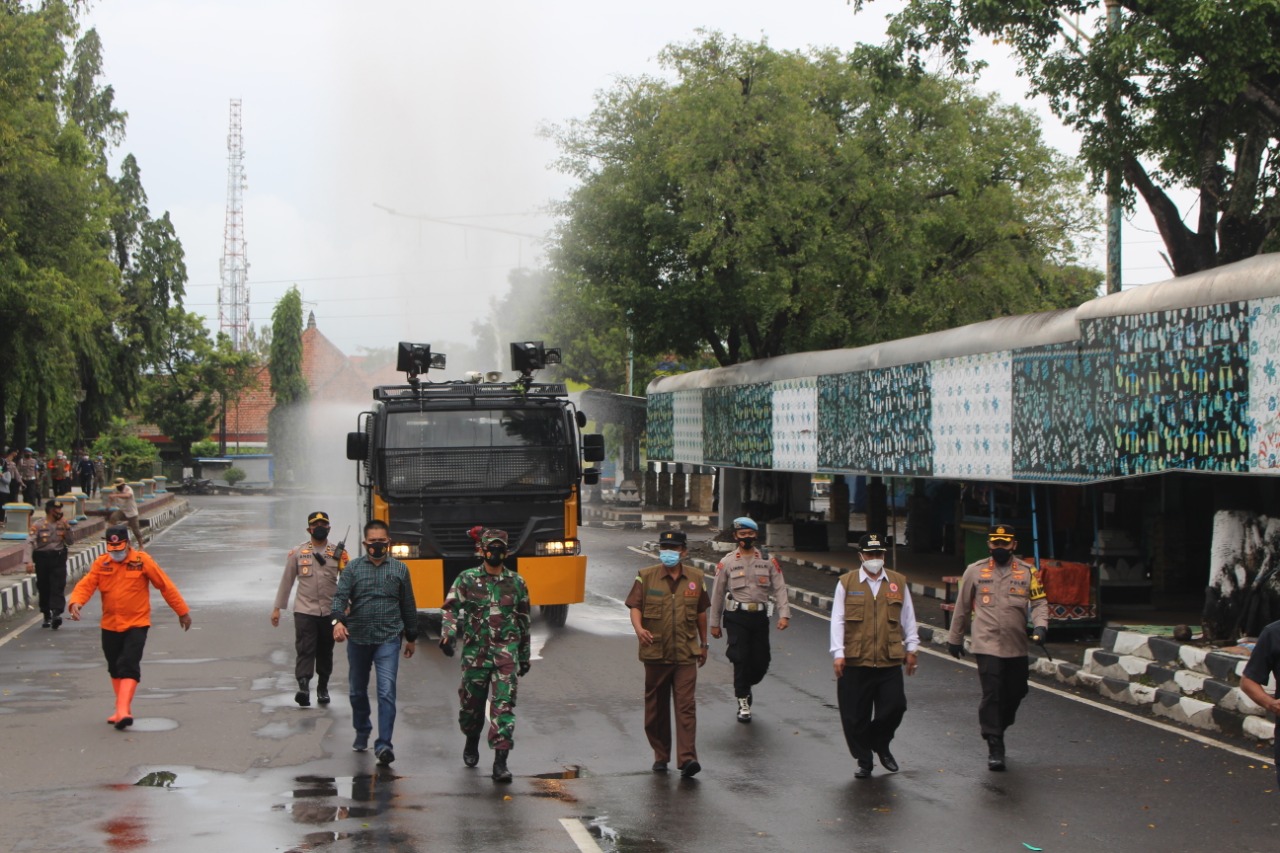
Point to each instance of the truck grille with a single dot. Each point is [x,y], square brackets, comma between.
[434,473]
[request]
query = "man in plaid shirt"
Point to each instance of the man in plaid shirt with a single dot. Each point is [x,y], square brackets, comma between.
[373,607]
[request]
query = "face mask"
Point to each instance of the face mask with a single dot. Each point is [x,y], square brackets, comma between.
[493,556]
[1001,555]
[873,566]
[377,550]
[319,533]
[747,542]
[669,558]
[118,556]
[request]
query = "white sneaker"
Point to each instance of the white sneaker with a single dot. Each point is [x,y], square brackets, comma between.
[744,710]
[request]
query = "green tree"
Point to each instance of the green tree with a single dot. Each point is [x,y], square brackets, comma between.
[1182,95]
[286,431]
[194,381]
[764,202]
[126,455]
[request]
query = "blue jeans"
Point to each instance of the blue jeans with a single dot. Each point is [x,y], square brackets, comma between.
[385,658]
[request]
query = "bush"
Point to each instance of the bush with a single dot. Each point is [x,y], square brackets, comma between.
[234,475]
[204,448]
[127,456]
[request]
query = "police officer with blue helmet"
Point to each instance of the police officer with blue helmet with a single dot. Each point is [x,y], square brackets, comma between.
[747,588]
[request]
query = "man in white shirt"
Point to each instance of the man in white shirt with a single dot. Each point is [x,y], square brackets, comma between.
[873,638]
[121,498]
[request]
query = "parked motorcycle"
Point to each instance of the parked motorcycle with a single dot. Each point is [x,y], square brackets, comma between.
[195,486]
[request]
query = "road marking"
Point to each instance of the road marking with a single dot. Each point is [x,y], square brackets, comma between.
[579,835]
[1093,703]
[16,631]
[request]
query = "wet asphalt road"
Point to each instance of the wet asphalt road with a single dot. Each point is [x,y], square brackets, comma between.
[234,764]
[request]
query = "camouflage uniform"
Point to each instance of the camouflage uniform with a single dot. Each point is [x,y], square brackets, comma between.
[489,616]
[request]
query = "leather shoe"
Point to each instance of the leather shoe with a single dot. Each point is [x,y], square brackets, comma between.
[690,768]
[863,771]
[887,762]
[56,623]
[659,767]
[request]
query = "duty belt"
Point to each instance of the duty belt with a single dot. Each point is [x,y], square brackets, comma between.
[732,604]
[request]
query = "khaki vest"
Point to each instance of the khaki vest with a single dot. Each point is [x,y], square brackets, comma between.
[672,619]
[873,625]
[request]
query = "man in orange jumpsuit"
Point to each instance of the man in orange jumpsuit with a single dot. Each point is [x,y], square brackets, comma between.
[123,574]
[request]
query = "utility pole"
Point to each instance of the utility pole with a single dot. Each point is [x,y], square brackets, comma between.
[1114,177]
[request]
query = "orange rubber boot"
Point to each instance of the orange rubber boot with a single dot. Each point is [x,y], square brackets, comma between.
[124,716]
[115,688]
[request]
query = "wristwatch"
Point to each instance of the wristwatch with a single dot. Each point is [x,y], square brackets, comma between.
[336,622]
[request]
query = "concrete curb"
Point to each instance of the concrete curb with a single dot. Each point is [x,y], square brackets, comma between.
[19,591]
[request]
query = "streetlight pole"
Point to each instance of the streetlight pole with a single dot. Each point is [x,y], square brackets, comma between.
[80,396]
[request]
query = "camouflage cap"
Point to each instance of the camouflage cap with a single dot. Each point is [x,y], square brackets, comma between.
[492,534]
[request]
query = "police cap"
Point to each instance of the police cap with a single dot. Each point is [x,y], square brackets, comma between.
[745,523]
[317,517]
[1000,534]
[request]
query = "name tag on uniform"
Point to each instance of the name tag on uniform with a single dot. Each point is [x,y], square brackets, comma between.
[856,592]
[691,590]
[654,592]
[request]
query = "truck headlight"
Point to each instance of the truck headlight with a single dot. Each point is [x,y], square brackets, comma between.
[558,548]
[403,551]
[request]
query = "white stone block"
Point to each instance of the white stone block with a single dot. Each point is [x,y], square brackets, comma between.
[1088,679]
[1142,694]
[1189,682]
[1193,658]
[1245,705]
[1259,728]
[1132,643]
[1134,665]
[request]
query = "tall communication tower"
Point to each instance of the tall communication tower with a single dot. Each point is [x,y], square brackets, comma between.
[233,292]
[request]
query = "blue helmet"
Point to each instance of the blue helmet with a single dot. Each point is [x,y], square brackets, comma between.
[744,523]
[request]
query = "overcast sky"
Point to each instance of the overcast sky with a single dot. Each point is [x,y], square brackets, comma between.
[425,107]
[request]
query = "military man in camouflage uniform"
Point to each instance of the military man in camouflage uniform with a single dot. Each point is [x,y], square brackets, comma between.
[488,609]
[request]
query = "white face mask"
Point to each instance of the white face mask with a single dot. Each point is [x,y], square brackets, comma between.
[118,556]
[873,567]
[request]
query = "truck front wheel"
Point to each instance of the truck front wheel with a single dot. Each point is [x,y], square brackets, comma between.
[555,614]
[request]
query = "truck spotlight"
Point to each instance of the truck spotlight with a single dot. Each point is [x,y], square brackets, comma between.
[404,551]
[473,376]
[558,548]
[528,356]
[551,356]
[416,359]
[438,360]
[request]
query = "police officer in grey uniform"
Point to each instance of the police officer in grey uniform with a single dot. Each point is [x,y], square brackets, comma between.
[50,538]
[314,565]
[1003,593]
[747,586]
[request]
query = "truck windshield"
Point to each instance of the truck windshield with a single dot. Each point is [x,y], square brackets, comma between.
[476,451]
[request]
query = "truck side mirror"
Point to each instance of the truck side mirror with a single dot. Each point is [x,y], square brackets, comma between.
[593,447]
[591,476]
[357,446]
[581,419]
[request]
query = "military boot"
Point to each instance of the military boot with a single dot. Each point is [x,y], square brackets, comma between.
[500,771]
[471,752]
[303,696]
[322,689]
[45,623]
[995,752]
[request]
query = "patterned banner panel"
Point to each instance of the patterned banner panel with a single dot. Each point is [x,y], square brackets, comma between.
[1264,386]
[738,426]
[795,425]
[1062,422]
[687,426]
[1182,383]
[972,416]
[659,436]
[876,421]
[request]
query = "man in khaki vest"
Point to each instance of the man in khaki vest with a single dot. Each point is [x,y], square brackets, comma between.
[873,637]
[668,604]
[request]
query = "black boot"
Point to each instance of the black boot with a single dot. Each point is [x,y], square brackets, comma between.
[322,689]
[303,696]
[471,752]
[500,771]
[995,752]
[45,623]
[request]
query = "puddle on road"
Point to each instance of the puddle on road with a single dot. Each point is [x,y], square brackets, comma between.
[153,724]
[573,771]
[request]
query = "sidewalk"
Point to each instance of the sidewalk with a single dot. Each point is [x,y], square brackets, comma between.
[18,589]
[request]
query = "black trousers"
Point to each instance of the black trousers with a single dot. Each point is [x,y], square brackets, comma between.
[51,581]
[31,492]
[313,641]
[872,702]
[123,651]
[1004,686]
[748,648]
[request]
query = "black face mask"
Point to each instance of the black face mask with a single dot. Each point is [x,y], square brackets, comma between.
[1001,555]
[747,542]
[494,556]
[377,550]
[319,533]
